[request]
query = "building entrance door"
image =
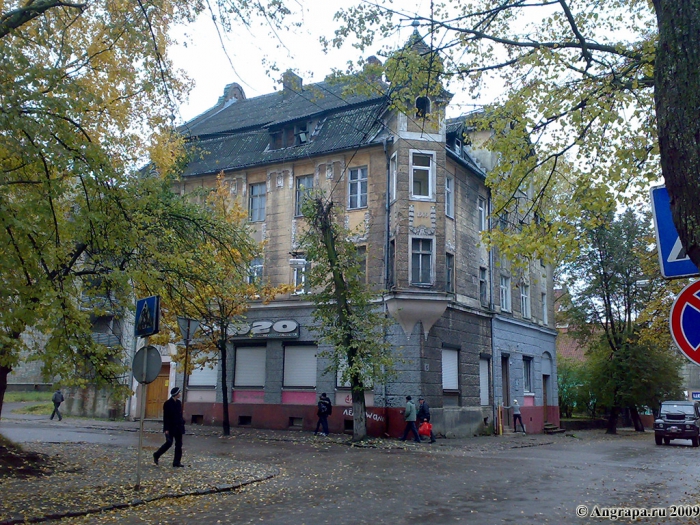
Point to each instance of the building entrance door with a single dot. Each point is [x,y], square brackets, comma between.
[545,396]
[158,393]
[505,389]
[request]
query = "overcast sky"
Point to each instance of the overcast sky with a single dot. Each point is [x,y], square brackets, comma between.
[206,63]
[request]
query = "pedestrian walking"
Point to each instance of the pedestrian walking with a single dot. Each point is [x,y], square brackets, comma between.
[424,415]
[57,399]
[409,416]
[173,428]
[325,408]
[516,416]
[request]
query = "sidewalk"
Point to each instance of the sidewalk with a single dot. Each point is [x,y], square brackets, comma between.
[87,478]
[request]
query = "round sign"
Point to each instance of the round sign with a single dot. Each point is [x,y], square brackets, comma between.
[685,321]
[146,365]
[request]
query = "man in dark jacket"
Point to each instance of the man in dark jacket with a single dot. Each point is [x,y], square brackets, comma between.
[424,415]
[173,427]
[324,410]
[57,399]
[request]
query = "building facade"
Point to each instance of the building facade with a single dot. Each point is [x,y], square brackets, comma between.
[465,330]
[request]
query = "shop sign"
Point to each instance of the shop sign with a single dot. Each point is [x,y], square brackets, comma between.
[284,329]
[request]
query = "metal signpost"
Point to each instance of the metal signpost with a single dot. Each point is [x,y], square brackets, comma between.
[672,257]
[147,361]
[685,322]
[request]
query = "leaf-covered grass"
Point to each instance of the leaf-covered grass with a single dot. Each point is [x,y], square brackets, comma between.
[19,397]
[43,409]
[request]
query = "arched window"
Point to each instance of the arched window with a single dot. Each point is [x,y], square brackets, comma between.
[422,107]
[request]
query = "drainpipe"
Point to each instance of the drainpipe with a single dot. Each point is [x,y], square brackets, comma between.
[491,307]
[385,143]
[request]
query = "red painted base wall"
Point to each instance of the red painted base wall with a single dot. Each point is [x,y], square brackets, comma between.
[533,418]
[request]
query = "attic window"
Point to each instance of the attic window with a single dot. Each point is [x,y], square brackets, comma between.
[422,107]
[290,136]
[301,134]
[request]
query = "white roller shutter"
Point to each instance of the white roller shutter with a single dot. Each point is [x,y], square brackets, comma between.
[300,366]
[450,369]
[250,367]
[204,376]
[484,381]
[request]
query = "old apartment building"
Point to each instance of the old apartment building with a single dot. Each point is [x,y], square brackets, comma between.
[468,334]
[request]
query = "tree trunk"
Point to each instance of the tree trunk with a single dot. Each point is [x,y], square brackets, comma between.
[677,97]
[4,372]
[612,421]
[359,415]
[224,388]
[636,420]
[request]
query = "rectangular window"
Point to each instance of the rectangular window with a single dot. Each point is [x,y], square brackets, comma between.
[393,171]
[357,188]
[525,300]
[449,197]
[255,272]
[527,374]
[299,278]
[483,287]
[304,185]
[421,261]
[256,202]
[481,212]
[484,381]
[449,273]
[450,369]
[505,294]
[204,375]
[391,280]
[300,366]
[422,174]
[249,368]
[545,310]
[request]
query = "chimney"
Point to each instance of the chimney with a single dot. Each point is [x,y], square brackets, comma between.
[291,83]
[373,68]
[232,93]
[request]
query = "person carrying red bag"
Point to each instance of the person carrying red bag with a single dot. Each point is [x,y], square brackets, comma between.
[424,417]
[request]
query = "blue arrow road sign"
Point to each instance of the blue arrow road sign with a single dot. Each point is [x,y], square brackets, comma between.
[674,261]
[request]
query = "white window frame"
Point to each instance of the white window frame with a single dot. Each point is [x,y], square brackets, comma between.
[257,202]
[301,193]
[296,376]
[393,172]
[255,271]
[357,188]
[483,286]
[431,259]
[299,279]
[450,197]
[450,369]
[450,284]
[527,375]
[545,310]
[249,367]
[525,301]
[506,305]
[481,213]
[430,170]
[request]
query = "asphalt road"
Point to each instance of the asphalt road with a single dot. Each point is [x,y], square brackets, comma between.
[517,479]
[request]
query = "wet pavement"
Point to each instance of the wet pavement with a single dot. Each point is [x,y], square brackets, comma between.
[294,478]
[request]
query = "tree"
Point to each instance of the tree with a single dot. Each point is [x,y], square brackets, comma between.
[348,315]
[87,94]
[610,286]
[610,86]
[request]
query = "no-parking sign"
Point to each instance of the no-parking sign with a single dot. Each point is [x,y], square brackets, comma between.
[685,322]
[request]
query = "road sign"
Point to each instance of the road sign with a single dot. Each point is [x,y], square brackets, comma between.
[674,261]
[147,316]
[146,364]
[685,321]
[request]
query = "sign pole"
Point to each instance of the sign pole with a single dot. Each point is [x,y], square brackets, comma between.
[144,389]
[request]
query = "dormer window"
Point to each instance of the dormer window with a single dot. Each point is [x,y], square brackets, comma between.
[292,135]
[301,134]
[422,107]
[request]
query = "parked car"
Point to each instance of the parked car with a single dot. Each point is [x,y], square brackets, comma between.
[678,420]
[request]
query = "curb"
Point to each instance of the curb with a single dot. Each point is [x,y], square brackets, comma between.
[133,503]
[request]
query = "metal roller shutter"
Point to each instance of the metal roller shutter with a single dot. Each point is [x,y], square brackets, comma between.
[300,366]
[250,367]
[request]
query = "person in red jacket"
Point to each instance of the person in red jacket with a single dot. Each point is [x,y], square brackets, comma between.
[173,428]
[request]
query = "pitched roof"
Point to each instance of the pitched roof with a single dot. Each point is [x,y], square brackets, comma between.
[235,133]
